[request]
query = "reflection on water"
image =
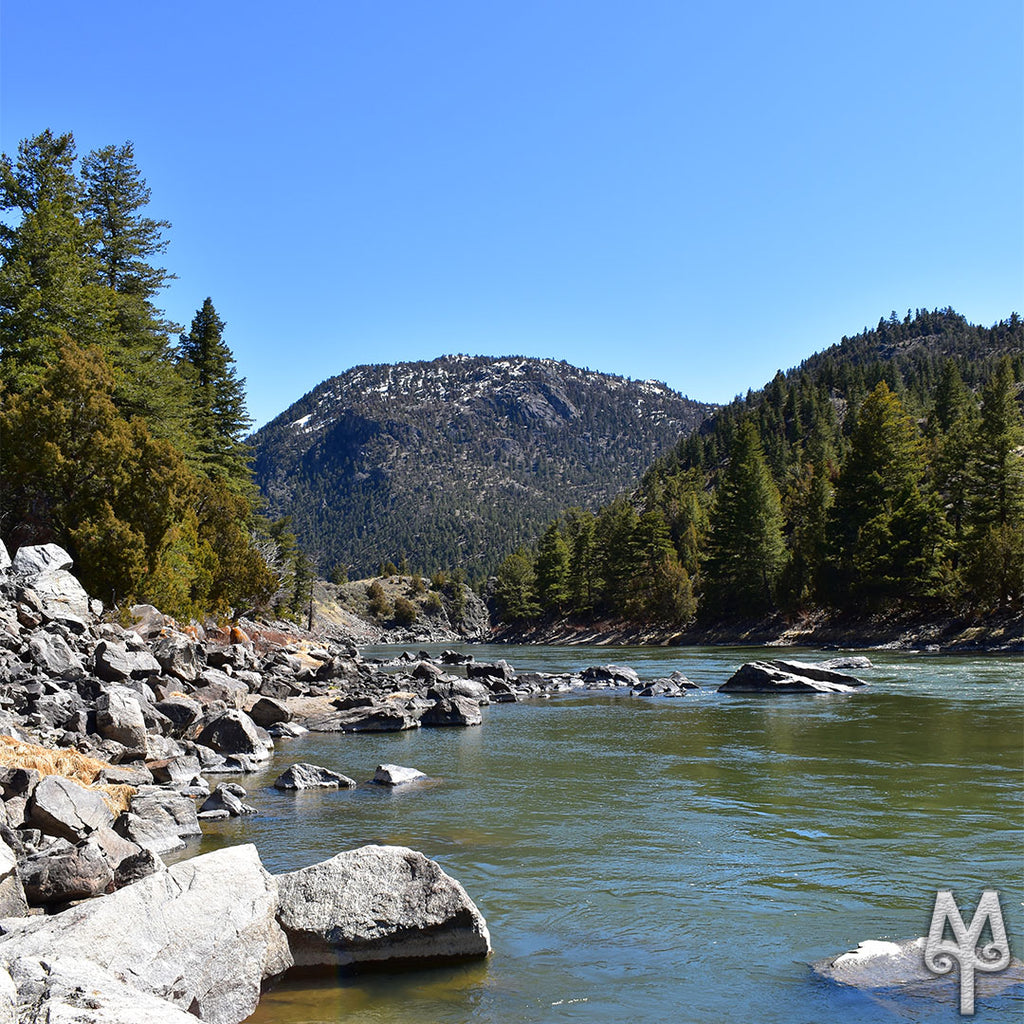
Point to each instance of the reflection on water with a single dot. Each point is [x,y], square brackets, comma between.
[676,859]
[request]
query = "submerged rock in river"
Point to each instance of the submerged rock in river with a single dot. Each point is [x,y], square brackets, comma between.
[899,966]
[789,677]
[395,775]
[375,905]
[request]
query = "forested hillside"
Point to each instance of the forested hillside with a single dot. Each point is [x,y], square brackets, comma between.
[886,472]
[120,444]
[455,462]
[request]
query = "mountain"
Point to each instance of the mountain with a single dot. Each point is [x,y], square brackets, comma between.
[458,461]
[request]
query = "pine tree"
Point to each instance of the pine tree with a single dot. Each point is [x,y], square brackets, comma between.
[515,592]
[889,538]
[47,277]
[996,494]
[124,242]
[552,570]
[747,551]
[216,400]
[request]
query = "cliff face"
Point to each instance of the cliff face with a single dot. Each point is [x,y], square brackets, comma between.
[456,462]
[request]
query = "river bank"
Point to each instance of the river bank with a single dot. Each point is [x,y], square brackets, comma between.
[996,634]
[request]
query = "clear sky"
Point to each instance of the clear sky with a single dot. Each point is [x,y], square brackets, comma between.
[699,193]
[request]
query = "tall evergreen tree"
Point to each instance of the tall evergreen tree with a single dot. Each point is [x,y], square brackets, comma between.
[47,270]
[125,241]
[216,400]
[552,569]
[996,494]
[888,536]
[747,548]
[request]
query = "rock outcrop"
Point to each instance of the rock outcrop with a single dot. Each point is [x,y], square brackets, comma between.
[780,677]
[375,905]
[201,935]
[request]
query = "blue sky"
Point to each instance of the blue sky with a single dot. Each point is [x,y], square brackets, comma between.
[699,193]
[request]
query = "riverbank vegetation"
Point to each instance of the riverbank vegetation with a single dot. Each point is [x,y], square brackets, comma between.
[117,443]
[885,474]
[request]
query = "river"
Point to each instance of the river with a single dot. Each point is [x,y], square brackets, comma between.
[681,859]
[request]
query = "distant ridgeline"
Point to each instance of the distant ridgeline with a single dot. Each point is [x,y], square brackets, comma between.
[456,462]
[886,472]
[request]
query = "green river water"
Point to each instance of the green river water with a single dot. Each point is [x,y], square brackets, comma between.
[654,860]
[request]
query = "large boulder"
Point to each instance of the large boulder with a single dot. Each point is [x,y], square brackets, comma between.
[378,904]
[234,732]
[610,675]
[396,775]
[160,820]
[36,559]
[12,893]
[62,597]
[789,677]
[180,656]
[202,935]
[64,872]
[119,717]
[452,711]
[62,808]
[374,717]
[267,712]
[51,653]
[58,989]
[311,776]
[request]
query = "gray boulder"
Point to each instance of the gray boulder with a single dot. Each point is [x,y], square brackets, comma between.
[36,559]
[847,661]
[12,893]
[234,732]
[213,685]
[389,717]
[267,712]
[5,558]
[225,802]
[180,656]
[789,677]
[181,712]
[119,717]
[59,989]
[311,776]
[51,653]
[396,775]
[610,675]
[159,820]
[378,904]
[62,808]
[452,711]
[176,771]
[64,872]
[201,934]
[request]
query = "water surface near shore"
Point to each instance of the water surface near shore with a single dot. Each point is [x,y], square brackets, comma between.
[650,860]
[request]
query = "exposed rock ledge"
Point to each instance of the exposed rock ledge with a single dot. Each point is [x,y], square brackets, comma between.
[199,939]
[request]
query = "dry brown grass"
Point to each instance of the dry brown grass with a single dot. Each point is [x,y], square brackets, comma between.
[69,763]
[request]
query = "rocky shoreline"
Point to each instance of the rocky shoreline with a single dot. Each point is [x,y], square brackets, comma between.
[107,735]
[996,634]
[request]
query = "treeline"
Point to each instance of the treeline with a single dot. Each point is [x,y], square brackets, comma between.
[116,442]
[884,473]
